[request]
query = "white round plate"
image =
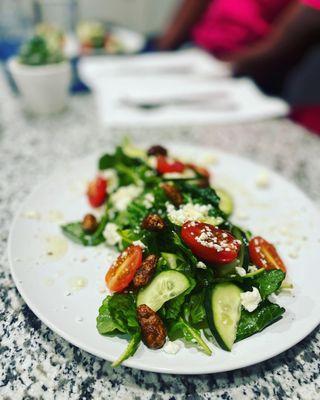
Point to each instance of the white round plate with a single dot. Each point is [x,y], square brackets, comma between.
[280,212]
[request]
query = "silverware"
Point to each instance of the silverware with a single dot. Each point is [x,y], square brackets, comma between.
[217,102]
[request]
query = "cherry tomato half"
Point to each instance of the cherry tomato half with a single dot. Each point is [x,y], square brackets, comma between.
[165,166]
[264,255]
[97,191]
[210,243]
[122,271]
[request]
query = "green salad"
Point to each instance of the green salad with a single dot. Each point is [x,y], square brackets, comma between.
[184,270]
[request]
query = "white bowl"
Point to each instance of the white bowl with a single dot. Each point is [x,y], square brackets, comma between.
[44,89]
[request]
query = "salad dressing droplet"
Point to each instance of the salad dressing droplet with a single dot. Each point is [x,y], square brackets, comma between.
[77,282]
[56,247]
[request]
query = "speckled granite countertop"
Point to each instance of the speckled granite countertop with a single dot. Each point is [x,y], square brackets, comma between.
[35,363]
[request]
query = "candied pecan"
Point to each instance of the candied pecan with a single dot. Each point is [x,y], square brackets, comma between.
[173,194]
[153,222]
[152,328]
[145,272]
[203,182]
[89,223]
[157,151]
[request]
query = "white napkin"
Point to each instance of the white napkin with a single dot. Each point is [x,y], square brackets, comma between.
[182,88]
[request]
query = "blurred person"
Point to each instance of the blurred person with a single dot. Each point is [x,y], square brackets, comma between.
[262,39]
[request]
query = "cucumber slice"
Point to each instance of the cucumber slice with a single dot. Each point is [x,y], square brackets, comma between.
[215,221]
[171,259]
[164,287]
[226,202]
[223,308]
[131,151]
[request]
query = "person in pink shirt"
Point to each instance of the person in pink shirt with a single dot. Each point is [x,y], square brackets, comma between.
[263,39]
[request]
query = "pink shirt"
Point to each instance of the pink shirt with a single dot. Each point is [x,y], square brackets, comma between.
[312,3]
[231,25]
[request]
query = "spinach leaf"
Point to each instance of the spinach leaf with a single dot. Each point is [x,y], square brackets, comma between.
[130,350]
[180,329]
[129,169]
[173,308]
[105,323]
[266,282]
[122,308]
[117,315]
[200,195]
[185,252]
[75,233]
[195,309]
[269,282]
[253,322]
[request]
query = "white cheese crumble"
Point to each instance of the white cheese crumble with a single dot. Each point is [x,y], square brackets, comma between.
[148,200]
[139,243]
[111,177]
[124,195]
[187,173]
[250,300]
[273,298]
[111,234]
[252,268]
[293,254]
[171,347]
[263,180]
[241,271]
[152,162]
[201,265]
[187,212]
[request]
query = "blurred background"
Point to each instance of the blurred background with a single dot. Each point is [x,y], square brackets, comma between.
[256,49]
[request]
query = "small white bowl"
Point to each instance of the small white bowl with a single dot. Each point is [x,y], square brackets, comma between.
[44,89]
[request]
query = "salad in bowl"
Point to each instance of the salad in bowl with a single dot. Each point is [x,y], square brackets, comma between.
[184,270]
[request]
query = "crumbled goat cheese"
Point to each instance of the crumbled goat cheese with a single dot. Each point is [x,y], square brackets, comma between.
[152,162]
[263,180]
[148,200]
[111,177]
[273,298]
[111,234]
[187,173]
[171,347]
[241,271]
[252,268]
[201,265]
[187,212]
[124,195]
[250,300]
[293,254]
[139,243]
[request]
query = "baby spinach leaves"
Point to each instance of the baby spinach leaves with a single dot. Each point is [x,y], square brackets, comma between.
[253,322]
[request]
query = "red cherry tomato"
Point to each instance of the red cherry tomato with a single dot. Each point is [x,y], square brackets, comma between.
[165,166]
[200,170]
[264,255]
[209,243]
[122,271]
[97,191]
